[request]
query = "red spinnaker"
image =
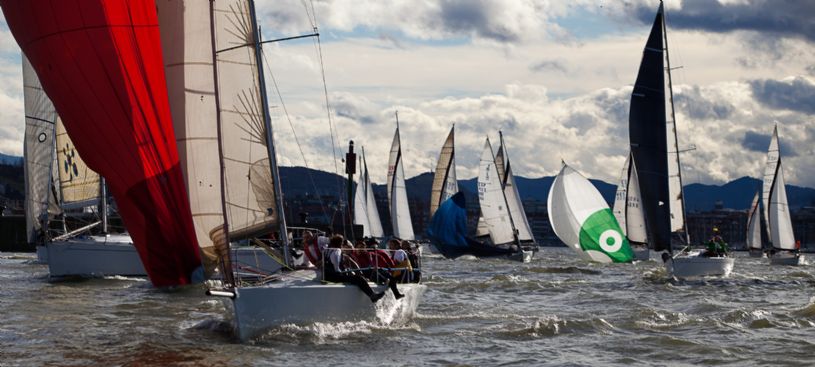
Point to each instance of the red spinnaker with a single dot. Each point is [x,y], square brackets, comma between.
[100,62]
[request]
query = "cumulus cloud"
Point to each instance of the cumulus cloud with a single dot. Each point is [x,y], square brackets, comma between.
[549,65]
[796,94]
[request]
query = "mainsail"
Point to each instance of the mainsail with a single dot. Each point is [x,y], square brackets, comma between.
[492,200]
[754,226]
[627,205]
[581,218]
[778,218]
[186,42]
[770,169]
[365,211]
[397,192]
[647,128]
[38,153]
[445,184]
[102,67]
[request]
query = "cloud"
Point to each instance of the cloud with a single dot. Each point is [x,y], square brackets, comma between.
[549,65]
[759,142]
[796,94]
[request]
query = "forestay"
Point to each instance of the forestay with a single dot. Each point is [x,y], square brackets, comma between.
[581,218]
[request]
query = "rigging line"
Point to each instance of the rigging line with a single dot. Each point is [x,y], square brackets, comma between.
[294,132]
[311,20]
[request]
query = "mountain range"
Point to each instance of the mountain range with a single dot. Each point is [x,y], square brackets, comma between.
[737,194]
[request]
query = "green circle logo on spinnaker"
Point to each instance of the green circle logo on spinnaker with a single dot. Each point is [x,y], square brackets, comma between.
[601,232]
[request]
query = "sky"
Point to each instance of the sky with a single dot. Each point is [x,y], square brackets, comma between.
[555,76]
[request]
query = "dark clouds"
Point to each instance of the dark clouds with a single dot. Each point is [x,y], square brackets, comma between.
[796,94]
[760,143]
[467,16]
[691,102]
[789,18]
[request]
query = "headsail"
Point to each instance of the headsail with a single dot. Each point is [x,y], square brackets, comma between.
[770,169]
[581,218]
[101,64]
[397,192]
[492,201]
[78,184]
[647,128]
[38,153]
[779,221]
[365,211]
[754,225]
[628,205]
[186,42]
[445,184]
[516,207]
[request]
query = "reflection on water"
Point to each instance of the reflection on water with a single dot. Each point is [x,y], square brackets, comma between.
[556,310]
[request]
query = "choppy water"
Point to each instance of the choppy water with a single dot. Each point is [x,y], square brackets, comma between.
[558,310]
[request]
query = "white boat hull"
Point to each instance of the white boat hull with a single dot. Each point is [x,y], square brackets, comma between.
[42,255]
[301,302]
[695,266]
[94,257]
[786,258]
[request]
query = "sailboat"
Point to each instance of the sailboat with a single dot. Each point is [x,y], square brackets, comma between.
[397,191]
[581,219]
[445,184]
[754,244]
[628,210]
[107,81]
[252,193]
[654,148]
[784,249]
[365,211]
[59,182]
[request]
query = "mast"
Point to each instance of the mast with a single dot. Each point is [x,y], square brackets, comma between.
[103,204]
[267,122]
[504,194]
[673,120]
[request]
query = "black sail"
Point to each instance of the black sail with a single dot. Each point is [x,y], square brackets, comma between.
[647,134]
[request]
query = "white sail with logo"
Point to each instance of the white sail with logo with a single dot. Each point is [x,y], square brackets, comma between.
[627,204]
[38,152]
[581,218]
[397,192]
[78,184]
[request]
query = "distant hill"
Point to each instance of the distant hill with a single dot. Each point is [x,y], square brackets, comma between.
[10,160]
[736,194]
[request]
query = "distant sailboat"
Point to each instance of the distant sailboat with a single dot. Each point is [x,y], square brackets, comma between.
[779,225]
[365,211]
[754,244]
[74,188]
[628,210]
[397,191]
[582,219]
[654,149]
[445,184]
[252,194]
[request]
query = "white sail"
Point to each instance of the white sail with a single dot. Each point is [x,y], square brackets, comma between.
[675,180]
[770,168]
[78,184]
[186,40]
[581,218]
[627,204]
[38,152]
[621,196]
[494,209]
[374,223]
[445,184]
[360,205]
[516,208]
[779,219]
[397,192]
[248,188]
[754,225]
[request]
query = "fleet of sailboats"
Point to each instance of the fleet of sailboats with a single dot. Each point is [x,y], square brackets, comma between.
[194,201]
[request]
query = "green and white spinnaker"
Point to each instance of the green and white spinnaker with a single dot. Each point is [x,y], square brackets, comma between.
[582,219]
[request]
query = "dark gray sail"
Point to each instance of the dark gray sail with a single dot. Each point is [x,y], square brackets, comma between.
[647,134]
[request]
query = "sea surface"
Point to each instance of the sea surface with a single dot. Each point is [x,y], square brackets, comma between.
[557,310]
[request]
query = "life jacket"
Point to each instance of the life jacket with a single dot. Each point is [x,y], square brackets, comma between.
[313,252]
[362,258]
[381,259]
